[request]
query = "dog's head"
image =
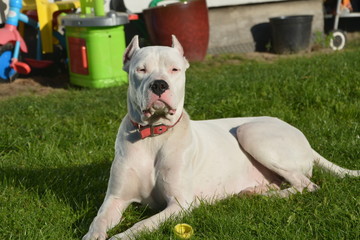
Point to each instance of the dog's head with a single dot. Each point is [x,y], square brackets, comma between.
[156,82]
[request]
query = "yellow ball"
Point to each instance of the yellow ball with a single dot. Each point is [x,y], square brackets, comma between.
[183,231]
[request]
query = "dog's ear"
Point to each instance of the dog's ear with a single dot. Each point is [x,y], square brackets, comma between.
[176,44]
[129,52]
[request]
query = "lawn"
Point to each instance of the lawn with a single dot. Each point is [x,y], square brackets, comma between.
[56,151]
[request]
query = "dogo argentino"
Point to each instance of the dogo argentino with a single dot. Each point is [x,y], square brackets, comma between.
[165,160]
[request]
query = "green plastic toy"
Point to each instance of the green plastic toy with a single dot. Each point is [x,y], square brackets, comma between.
[95,45]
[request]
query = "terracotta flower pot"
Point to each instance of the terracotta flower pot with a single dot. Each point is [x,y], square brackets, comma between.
[188,21]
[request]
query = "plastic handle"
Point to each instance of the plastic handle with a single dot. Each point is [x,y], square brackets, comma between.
[99,7]
[84,57]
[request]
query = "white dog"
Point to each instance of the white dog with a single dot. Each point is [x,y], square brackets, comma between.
[165,160]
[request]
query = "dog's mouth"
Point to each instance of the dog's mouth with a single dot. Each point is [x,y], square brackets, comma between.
[158,108]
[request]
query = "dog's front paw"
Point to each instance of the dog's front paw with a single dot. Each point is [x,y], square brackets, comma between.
[123,236]
[92,235]
[118,237]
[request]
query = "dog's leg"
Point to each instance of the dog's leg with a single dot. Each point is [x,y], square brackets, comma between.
[274,189]
[282,149]
[298,182]
[121,192]
[108,216]
[261,189]
[174,208]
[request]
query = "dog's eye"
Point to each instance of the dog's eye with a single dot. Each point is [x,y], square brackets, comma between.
[141,70]
[175,70]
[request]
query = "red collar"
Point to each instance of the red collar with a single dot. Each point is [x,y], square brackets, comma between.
[151,130]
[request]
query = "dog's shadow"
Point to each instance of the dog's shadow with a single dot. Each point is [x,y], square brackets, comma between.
[82,187]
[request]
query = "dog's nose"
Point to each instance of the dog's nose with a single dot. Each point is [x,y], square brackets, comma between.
[159,87]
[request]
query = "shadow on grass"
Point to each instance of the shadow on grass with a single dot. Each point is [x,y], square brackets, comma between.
[82,187]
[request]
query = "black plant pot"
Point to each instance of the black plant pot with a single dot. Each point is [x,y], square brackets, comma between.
[291,34]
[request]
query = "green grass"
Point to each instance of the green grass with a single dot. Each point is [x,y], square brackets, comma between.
[56,151]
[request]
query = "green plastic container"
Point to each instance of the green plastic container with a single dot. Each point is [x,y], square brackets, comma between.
[95,47]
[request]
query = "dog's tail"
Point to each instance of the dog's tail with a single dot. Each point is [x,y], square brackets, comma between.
[333,168]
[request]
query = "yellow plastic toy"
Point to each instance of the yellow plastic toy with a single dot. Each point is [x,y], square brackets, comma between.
[45,11]
[183,231]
